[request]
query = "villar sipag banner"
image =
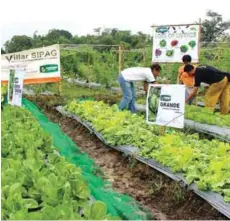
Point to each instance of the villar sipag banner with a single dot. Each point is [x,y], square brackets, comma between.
[41,65]
[165,105]
[170,43]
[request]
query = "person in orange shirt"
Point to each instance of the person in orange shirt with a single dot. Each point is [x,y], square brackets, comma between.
[186,79]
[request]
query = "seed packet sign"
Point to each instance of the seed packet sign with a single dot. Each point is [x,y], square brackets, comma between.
[165,105]
[15,86]
[170,43]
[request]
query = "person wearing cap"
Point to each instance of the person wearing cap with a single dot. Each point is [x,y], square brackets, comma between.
[127,79]
[184,78]
[218,89]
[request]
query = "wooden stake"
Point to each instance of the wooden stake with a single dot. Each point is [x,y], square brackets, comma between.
[144,56]
[59,88]
[162,130]
[119,58]
[89,71]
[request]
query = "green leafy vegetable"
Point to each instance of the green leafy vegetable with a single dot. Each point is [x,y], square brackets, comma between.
[37,184]
[204,162]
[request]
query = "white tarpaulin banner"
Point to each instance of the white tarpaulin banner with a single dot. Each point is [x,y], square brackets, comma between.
[165,105]
[41,64]
[15,87]
[170,43]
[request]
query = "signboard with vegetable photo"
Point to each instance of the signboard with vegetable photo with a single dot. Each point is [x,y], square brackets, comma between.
[170,43]
[165,105]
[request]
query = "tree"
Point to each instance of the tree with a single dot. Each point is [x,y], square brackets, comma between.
[18,43]
[37,40]
[2,51]
[107,40]
[214,28]
[97,30]
[54,35]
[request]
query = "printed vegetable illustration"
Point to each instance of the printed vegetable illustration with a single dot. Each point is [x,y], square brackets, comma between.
[174,43]
[192,44]
[170,53]
[163,43]
[158,52]
[184,48]
[153,103]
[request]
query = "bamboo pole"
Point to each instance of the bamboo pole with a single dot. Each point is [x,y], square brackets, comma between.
[119,58]
[59,85]
[144,58]
[89,71]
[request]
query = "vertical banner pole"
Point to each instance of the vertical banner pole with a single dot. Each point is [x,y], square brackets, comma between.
[166,70]
[199,38]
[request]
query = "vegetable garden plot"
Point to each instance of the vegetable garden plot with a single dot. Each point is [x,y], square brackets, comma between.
[118,204]
[192,151]
[36,182]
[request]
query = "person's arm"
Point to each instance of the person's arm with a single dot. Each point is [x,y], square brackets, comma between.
[180,81]
[149,79]
[192,94]
[180,72]
[146,85]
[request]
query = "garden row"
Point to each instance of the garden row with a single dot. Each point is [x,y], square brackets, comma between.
[192,112]
[197,118]
[37,183]
[203,162]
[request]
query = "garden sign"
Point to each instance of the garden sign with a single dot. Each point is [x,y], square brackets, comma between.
[165,105]
[41,65]
[170,43]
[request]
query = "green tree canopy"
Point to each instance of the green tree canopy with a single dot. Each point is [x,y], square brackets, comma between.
[214,28]
[18,43]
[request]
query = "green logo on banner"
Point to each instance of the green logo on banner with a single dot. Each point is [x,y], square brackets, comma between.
[49,68]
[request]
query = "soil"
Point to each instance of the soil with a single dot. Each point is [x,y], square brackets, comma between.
[163,197]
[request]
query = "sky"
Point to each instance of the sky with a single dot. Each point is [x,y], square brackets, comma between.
[80,17]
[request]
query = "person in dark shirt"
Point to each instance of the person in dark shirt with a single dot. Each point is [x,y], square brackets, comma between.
[218,89]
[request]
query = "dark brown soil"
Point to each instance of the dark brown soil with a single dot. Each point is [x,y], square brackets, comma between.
[153,190]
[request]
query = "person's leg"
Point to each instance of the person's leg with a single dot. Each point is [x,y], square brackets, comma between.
[132,107]
[126,93]
[213,94]
[224,99]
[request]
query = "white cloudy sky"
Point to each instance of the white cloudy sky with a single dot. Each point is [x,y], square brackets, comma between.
[82,16]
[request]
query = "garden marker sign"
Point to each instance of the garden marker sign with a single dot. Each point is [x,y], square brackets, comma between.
[15,87]
[170,43]
[42,65]
[165,105]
